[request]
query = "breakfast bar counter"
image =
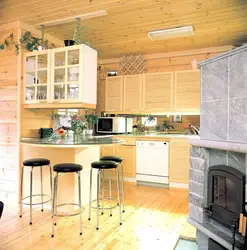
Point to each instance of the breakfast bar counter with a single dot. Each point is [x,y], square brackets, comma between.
[83,151]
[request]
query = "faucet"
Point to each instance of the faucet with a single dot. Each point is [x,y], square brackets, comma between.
[196,128]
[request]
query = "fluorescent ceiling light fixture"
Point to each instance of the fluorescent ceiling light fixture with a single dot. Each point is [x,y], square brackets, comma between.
[171,33]
[73,18]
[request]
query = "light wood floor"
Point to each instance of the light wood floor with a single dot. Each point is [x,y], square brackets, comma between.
[154,219]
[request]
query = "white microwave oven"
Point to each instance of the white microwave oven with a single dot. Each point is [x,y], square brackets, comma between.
[114,125]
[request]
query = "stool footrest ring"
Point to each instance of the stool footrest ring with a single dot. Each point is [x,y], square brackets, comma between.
[107,208]
[38,203]
[68,215]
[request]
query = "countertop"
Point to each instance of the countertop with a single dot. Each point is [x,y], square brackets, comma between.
[83,141]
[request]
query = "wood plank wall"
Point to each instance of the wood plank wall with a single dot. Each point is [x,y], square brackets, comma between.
[155,63]
[8,119]
[32,120]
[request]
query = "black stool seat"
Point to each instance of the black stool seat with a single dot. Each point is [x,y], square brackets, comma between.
[36,162]
[104,164]
[112,158]
[67,168]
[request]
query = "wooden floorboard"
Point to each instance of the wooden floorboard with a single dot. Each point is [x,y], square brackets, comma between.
[154,219]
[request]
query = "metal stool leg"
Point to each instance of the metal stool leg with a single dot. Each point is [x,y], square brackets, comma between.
[102,198]
[41,183]
[122,193]
[90,195]
[56,199]
[31,195]
[53,204]
[21,194]
[98,190]
[118,191]
[79,186]
[110,195]
[50,179]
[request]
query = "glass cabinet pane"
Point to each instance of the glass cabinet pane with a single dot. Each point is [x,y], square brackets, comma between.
[72,91]
[30,63]
[73,57]
[41,92]
[59,75]
[30,78]
[42,77]
[42,61]
[73,74]
[30,94]
[59,92]
[59,58]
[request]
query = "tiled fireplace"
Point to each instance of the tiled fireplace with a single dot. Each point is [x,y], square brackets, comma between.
[221,150]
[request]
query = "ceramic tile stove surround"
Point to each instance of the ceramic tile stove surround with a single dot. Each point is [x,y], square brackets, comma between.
[222,147]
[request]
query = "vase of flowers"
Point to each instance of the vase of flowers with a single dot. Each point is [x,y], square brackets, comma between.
[78,125]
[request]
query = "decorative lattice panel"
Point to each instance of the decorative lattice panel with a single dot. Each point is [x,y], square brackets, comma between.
[132,64]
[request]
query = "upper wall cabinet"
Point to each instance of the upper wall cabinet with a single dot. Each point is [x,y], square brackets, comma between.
[187,91]
[61,76]
[36,77]
[158,92]
[132,93]
[114,93]
[177,91]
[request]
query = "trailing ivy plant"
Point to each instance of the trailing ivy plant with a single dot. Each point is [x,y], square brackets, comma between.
[27,41]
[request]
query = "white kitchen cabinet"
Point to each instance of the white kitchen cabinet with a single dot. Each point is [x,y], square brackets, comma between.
[67,75]
[36,77]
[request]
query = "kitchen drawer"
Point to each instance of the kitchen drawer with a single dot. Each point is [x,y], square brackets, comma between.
[8,198]
[128,141]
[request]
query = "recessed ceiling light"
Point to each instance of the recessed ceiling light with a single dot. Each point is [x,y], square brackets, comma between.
[171,33]
[73,18]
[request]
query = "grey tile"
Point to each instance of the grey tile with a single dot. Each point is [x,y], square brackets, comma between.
[198,152]
[196,200]
[214,120]
[202,240]
[238,119]
[238,75]
[214,81]
[196,213]
[197,163]
[197,176]
[217,157]
[237,160]
[196,188]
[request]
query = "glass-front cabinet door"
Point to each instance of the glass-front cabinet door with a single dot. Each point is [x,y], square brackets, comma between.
[65,76]
[36,77]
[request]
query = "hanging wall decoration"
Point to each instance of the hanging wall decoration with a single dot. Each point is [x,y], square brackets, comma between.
[132,64]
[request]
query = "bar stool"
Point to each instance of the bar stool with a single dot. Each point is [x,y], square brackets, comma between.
[65,168]
[102,166]
[33,163]
[119,160]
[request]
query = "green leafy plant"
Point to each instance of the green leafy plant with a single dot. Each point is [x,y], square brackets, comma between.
[92,119]
[27,41]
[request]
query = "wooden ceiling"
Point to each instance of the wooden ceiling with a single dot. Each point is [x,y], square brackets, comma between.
[124,30]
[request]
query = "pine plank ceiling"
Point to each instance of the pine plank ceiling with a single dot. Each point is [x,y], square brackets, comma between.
[124,30]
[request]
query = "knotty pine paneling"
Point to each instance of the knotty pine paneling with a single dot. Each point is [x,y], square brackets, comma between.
[8,118]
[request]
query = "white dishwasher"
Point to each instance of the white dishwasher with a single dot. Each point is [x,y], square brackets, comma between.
[152,162]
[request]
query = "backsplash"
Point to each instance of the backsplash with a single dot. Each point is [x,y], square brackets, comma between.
[186,121]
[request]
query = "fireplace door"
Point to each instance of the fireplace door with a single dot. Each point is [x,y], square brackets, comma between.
[226,193]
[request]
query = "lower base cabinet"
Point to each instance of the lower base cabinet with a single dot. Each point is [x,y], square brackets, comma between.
[179,158]
[127,152]
[179,161]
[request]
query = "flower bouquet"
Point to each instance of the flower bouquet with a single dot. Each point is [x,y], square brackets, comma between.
[78,124]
